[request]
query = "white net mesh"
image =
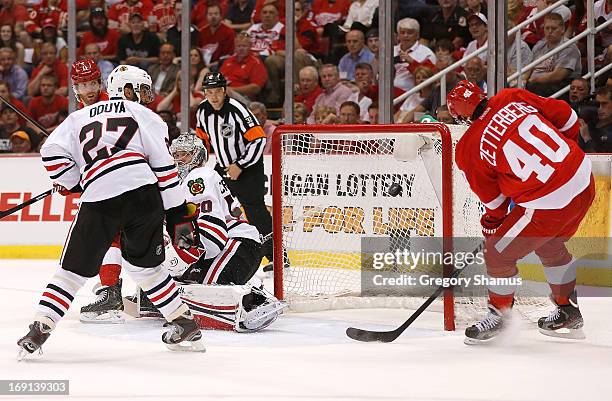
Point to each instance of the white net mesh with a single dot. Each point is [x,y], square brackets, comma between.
[335,193]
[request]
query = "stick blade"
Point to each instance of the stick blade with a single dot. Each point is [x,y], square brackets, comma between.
[370,336]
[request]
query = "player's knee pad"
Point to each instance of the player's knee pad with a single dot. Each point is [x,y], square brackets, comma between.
[499,264]
[553,254]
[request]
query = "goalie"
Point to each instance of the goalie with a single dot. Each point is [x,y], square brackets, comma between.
[230,253]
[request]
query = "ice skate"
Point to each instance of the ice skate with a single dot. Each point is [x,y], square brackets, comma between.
[183,334]
[107,308]
[487,329]
[38,334]
[564,322]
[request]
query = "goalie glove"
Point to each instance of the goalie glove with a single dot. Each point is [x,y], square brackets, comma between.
[490,224]
[181,225]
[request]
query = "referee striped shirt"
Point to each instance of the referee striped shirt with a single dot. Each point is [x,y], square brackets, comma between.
[233,132]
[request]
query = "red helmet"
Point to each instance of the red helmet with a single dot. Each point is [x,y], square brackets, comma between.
[463,100]
[84,71]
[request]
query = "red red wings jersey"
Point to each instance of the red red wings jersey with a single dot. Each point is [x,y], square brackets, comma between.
[524,147]
[102,97]
[264,41]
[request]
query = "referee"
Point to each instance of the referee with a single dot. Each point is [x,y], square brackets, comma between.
[238,142]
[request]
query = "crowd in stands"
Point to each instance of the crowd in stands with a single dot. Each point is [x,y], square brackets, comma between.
[336,58]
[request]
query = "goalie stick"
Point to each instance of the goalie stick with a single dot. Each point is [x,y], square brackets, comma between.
[389,336]
[35,199]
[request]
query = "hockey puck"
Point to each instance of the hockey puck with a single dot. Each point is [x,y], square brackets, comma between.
[394,189]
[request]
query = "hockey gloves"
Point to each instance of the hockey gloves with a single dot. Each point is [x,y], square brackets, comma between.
[181,225]
[490,224]
[65,192]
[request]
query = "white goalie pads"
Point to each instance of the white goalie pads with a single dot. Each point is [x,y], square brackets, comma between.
[220,307]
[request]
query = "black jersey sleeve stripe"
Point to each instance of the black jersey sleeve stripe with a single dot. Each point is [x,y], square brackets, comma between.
[51,158]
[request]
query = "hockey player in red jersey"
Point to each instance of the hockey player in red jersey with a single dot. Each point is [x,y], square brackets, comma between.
[87,82]
[523,147]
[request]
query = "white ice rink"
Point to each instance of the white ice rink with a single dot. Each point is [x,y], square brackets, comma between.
[301,357]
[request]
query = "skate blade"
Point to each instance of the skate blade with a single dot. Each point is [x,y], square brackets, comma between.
[188,346]
[475,341]
[110,317]
[570,334]
[23,354]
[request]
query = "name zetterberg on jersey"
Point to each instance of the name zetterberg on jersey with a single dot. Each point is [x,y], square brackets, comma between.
[497,127]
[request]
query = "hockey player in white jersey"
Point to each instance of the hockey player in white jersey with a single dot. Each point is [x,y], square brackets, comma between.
[231,251]
[116,152]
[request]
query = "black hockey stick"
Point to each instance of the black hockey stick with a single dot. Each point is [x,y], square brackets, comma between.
[42,129]
[35,199]
[389,336]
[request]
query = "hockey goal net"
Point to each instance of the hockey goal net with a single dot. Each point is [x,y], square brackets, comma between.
[333,190]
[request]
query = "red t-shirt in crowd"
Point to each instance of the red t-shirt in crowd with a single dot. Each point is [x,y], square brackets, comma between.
[60,71]
[47,113]
[324,12]
[280,6]
[251,70]
[106,43]
[198,13]
[219,44]
[309,100]
[120,12]
[18,13]
[164,15]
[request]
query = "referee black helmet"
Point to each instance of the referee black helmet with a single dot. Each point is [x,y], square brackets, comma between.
[214,80]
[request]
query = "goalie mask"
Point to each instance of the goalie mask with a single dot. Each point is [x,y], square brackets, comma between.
[188,152]
[130,83]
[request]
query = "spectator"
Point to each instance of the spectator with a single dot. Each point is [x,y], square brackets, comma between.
[244,71]
[409,53]
[9,39]
[257,16]
[603,13]
[53,10]
[580,94]
[309,88]
[120,13]
[267,36]
[10,124]
[450,22]
[444,116]
[173,102]
[300,113]
[49,65]
[14,13]
[162,18]
[170,119]
[357,53]
[334,92]
[197,67]
[373,113]
[174,33]
[558,70]
[199,11]
[476,6]
[534,32]
[349,113]
[139,47]
[476,71]
[511,55]
[328,15]
[477,24]
[360,11]
[100,34]
[431,104]
[45,108]
[49,34]
[364,78]
[20,142]
[238,15]
[163,73]
[261,114]
[5,92]
[306,33]
[92,51]
[215,39]
[597,137]
[12,74]
[421,74]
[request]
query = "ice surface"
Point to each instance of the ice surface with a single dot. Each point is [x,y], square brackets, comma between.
[301,357]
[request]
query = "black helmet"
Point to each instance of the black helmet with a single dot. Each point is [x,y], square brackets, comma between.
[214,80]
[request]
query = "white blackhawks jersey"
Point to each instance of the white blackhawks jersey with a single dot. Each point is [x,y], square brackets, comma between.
[112,147]
[205,188]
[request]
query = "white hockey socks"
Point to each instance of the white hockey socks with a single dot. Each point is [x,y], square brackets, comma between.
[159,287]
[57,297]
